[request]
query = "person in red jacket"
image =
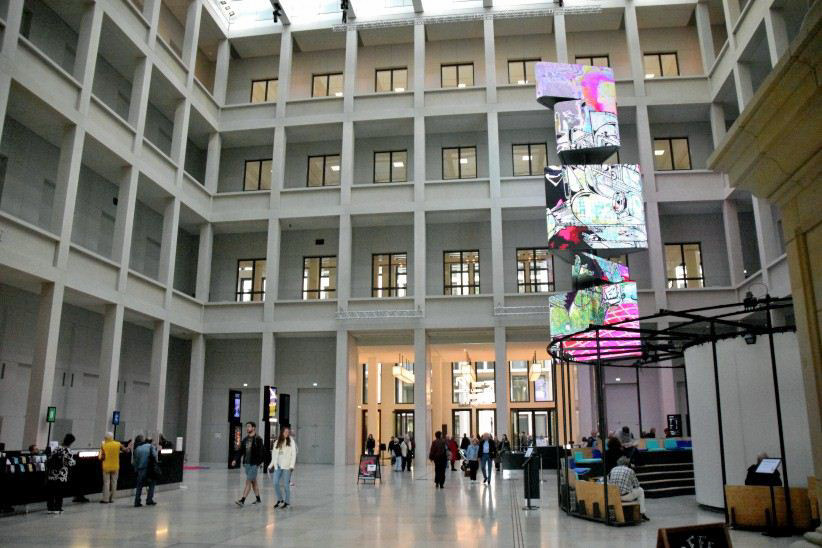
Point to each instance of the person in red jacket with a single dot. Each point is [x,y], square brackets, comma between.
[453,451]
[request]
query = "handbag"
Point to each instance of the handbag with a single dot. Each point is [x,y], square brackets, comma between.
[154,470]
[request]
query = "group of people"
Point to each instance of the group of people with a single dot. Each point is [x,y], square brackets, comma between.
[401,449]
[252,454]
[478,453]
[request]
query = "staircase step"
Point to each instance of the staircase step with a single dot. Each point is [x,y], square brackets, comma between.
[666,474]
[669,492]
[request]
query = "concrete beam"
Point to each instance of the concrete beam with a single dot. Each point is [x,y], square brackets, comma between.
[417,6]
[282,16]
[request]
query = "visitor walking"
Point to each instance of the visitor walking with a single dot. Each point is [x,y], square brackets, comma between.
[252,454]
[472,456]
[110,451]
[487,452]
[57,468]
[370,444]
[438,454]
[145,459]
[453,451]
[397,455]
[283,458]
[404,453]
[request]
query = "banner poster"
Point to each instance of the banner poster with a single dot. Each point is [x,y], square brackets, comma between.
[369,469]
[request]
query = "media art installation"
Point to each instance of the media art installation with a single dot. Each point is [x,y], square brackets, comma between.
[591,206]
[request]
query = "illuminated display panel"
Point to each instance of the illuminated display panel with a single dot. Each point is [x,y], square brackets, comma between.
[595,86]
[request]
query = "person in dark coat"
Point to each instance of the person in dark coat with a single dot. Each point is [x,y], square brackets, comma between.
[370,444]
[57,467]
[439,455]
[487,453]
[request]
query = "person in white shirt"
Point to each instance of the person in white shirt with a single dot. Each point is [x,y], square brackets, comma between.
[629,490]
[283,458]
[404,454]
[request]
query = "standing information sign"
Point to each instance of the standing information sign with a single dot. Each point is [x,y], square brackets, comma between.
[369,468]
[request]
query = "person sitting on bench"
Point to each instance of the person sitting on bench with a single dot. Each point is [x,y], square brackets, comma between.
[629,490]
[755,478]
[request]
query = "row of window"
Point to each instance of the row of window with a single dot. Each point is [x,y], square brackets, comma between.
[457,163]
[455,75]
[461,273]
[472,383]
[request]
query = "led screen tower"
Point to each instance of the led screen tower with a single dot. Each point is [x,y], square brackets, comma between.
[591,206]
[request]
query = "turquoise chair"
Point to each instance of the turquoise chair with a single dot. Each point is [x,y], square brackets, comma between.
[579,457]
[653,445]
[671,444]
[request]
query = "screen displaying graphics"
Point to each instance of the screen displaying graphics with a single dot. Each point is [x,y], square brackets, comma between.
[584,135]
[605,305]
[564,82]
[589,270]
[595,207]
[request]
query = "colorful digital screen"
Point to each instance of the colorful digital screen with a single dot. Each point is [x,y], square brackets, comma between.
[589,270]
[565,82]
[595,207]
[603,305]
[584,135]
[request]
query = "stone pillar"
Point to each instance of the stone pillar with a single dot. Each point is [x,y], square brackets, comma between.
[267,370]
[124,222]
[743,84]
[344,406]
[419,68]
[284,71]
[192,35]
[204,257]
[272,269]
[180,135]
[501,384]
[766,235]
[635,50]
[65,192]
[420,254]
[490,63]
[46,338]
[560,38]
[221,70]
[212,171]
[138,107]
[344,262]
[168,247]
[422,409]
[109,368]
[350,78]
[718,129]
[194,413]
[151,11]
[497,252]
[733,242]
[88,40]
[705,34]
[159,369]
[347,162]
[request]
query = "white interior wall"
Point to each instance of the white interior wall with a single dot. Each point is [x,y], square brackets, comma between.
[226,251]
[371,240]
[112,87]
[242,71]
[364,150]
[707,229]
[435,142]
[296,161]
[612,43]
[52,35]
[304,64]
[526,46]
[371,58]
[296,245]
[466,236]
[94,213]
[682,40]
[146,241]
[232,165]
[446,52]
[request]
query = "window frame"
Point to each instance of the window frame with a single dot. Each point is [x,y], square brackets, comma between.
[591,58]
[405,413]
[390,167]
[397,383]
[670,144]
[391,70]
[551,284]
[658,55]
[267,84]
[318,291]
[259,174]
[524,72]
[473,364]
[325,158]
[530,159]
[527,382]
[681,245]
[392,289]
[327,76]
[457,66]
[459,165]
[446,287]
[261,292]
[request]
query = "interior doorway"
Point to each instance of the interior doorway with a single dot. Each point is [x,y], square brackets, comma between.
[314,428]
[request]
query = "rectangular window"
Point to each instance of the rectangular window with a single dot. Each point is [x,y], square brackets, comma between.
[543,387]
[594,60]
[327,85]
[535,271]
[661,64]
[522,72]
[264,91]
[519,381]
[403,389]
[460,423]
[324,170]
[257,175]
[529,159]
[250,280]
[393,79]
[683,265]
[389,275]
[473,383]
[391,166]
[403,423]
[459,163]
[461,272]
[458,75]
[672,154]
[319,278]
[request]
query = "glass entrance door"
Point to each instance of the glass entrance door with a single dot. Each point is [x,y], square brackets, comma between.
[486,421]
[461,423]
[403,423]
[532,426]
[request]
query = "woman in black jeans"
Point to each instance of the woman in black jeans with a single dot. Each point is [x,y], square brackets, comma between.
[439,455]
[58,464]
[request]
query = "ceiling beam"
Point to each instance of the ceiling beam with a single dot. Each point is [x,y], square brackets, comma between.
[418,6]
[282,16]
[350,10]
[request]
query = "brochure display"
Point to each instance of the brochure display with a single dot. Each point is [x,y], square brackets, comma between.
[369,468]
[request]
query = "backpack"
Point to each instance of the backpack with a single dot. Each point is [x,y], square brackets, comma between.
[55,460]
[437,450]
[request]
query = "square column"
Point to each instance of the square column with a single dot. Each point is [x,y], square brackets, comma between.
[490,63]
[420,255]
[109,368]
[46,337]
[221,70]
[350,81]
[168,247]
[733,241]
[88,40]
[212,170]
[159,369]
[204,255]
[501,383]
[344,398]
[138,107]
[284,71]
[179,135]
[705,34]
[347,163]
[11,34]
[267,369]
[776,33]
[192,35]
[65,192]
[151,11]
[422,408]
[766,234]
[272,268]
[419,72]
[124,222]
[560,38]
[194,413]
[635,50]
[718,129]
[743,84]
[344,262]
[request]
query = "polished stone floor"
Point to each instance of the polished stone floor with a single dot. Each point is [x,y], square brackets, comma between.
[330,509]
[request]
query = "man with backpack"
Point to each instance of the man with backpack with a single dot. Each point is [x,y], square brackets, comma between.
[439,454]
[252,454]
[57,468]
[146,463]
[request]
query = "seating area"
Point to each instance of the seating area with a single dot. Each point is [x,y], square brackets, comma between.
[591,503]
[750,507]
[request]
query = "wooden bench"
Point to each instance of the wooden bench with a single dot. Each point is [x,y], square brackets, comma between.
[591,502]
[750,506]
